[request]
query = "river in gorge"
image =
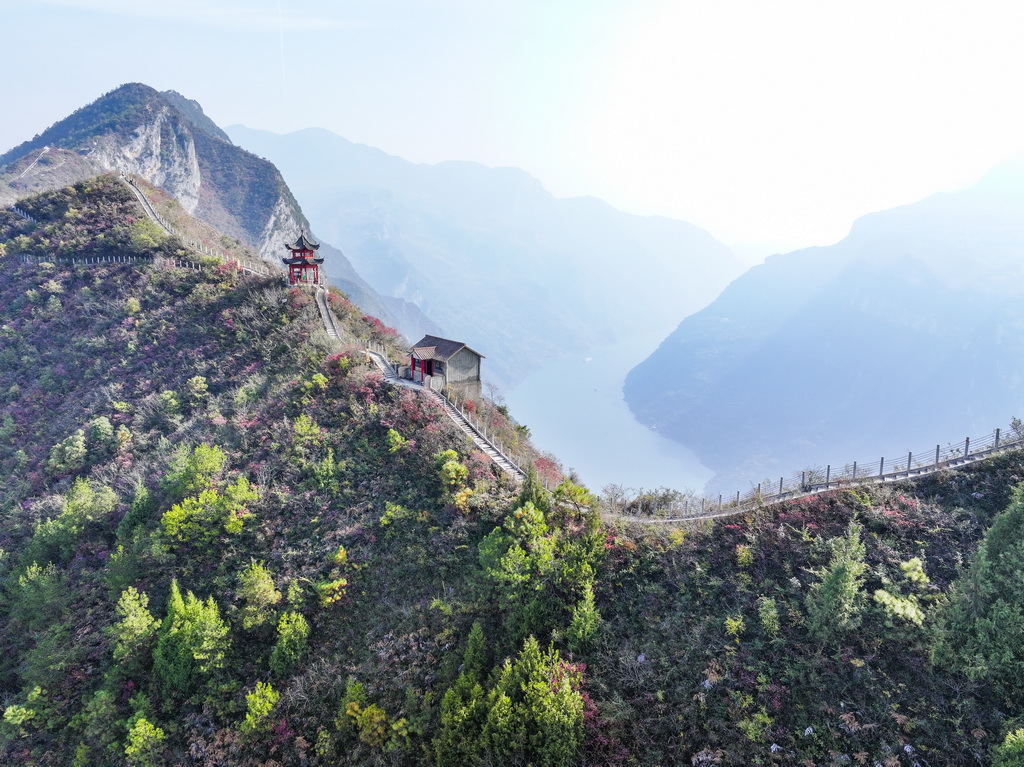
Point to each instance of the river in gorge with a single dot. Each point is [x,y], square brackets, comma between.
[574,409]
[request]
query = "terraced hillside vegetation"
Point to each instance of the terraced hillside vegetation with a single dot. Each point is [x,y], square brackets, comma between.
[226,541]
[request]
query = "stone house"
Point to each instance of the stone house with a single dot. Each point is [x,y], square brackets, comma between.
[441,363]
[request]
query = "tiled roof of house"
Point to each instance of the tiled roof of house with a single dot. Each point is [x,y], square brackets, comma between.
[443,349]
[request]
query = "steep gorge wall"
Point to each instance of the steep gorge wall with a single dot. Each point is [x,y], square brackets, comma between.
[162,151]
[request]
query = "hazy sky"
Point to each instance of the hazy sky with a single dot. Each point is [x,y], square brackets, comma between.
[762,120]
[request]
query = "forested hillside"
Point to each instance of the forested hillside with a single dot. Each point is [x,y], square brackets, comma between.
[226,542]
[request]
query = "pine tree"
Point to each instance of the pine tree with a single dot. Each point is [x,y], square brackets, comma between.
[292,643]
[474,662]
[586,621]
[979,630]
[533,492]
[145,744]
[134,632]
[533,714]
[258,597]
[192,643]
[834,603]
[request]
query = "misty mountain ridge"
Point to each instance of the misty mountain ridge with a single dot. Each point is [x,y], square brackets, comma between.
[908,332]
[489,254]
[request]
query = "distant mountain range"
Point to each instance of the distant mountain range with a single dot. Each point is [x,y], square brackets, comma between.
[909,332]
[491,256]
[167,140]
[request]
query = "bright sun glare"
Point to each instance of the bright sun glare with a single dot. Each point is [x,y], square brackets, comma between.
[784,121]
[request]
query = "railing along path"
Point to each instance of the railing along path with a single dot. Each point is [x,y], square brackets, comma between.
[815,481]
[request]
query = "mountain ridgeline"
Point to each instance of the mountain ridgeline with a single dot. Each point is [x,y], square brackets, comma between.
[226,540]
[907,333]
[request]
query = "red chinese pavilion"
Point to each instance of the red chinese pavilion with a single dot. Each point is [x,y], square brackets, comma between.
[303,267]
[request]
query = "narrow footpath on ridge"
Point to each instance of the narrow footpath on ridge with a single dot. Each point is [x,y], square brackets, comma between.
[252,267]
[331,328]
[391,376]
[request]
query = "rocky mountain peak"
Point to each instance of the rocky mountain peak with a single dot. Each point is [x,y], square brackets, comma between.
[168,140]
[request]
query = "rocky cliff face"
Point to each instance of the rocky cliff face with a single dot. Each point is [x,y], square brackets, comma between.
[162,151]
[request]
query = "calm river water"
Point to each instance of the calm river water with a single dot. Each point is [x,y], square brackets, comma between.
[574,409]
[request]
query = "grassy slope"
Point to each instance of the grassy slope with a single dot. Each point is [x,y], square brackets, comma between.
[668,680]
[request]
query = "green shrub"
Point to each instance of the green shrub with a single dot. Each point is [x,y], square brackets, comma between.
[258,706]
[101,435]
[199,520]
[1010,753]
[196,392]
[19,716]
[396,441]
[85,504]
[193,471]
[68,455]
[372,725]
[292,643]
[145,744]
[768,612]
[40,594]
[101,728]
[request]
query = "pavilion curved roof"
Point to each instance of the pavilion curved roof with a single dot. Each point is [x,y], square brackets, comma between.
[303,243]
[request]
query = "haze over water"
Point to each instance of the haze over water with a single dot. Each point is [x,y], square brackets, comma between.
[574,409]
